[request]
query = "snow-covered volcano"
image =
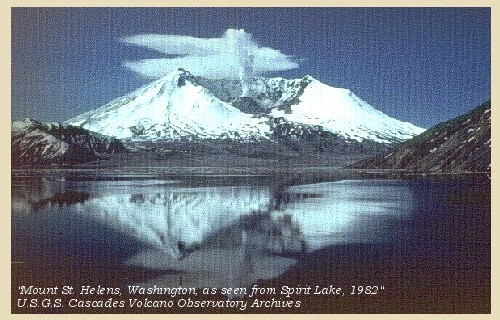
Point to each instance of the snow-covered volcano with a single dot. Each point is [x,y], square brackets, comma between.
[172,107]
[180,106]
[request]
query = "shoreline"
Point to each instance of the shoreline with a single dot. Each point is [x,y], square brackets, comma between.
[294,172]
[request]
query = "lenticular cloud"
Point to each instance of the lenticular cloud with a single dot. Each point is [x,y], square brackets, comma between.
[233,56]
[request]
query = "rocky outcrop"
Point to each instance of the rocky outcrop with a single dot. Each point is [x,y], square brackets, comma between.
[37,143]
[264,93]
[288,130]
[462,144]
[249,105]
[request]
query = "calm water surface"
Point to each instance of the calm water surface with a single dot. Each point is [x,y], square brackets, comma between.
[427,241]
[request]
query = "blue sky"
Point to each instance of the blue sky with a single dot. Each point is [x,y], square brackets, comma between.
[422,65]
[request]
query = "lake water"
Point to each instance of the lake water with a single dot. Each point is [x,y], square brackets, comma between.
[424,243]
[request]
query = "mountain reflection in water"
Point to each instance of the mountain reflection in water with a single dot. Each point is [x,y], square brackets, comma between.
[412,236]
[232,235]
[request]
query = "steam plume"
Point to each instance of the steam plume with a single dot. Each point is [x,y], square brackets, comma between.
[233,56]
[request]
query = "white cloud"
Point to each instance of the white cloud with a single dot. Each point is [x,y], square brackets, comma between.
[233,56]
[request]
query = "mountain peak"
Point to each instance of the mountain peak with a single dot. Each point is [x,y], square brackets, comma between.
[28,123]
[181,76]
[309,78]
[180,106]
[171,108]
